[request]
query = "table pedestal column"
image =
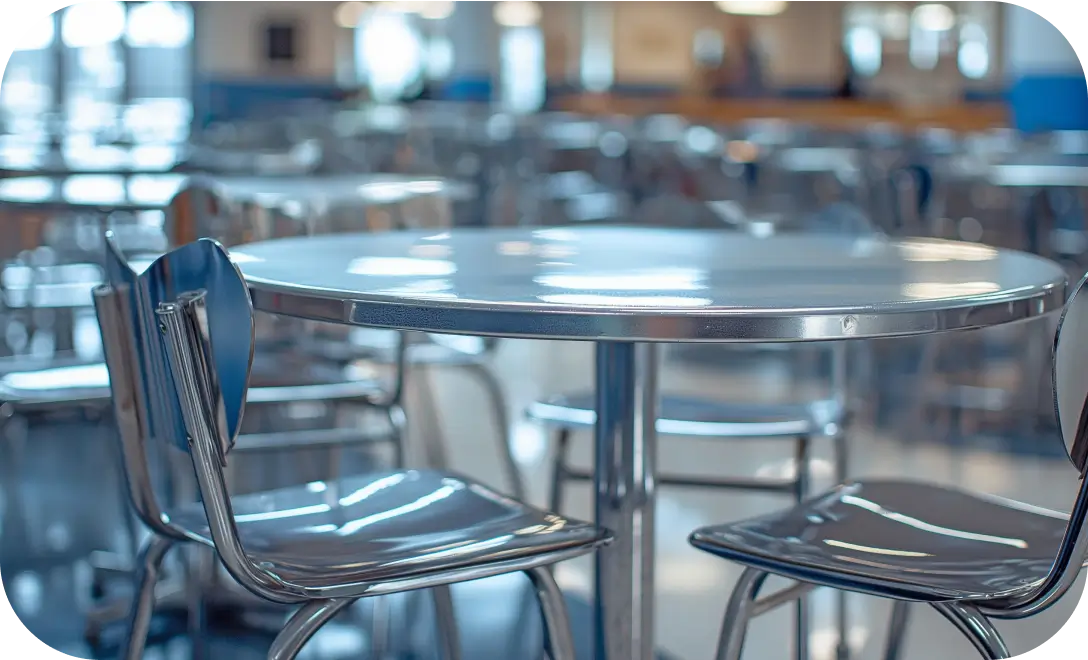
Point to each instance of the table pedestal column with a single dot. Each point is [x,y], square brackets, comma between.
[626,442]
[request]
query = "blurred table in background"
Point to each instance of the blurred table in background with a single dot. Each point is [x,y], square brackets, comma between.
[829,113]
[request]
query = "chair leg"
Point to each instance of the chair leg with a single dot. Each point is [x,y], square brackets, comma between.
[737,614]
[147,574]
[976,627]
[197,569]
[398,420]
[897,629]
[380,623]
[842,470]
[802,474]
[559,470]
[303,624]
[495,393]
[446,623]
[554,609]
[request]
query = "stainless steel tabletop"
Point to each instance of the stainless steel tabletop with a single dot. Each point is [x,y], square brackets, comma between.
[645,284]
[1054,175]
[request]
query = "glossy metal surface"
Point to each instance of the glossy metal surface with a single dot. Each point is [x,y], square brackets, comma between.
[387,526]
[977,628]
[371,535]
[900,539]
[193,267]
[628,284]
[1071,378]
[624,478]
[690,416]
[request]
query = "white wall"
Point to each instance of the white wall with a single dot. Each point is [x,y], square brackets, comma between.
[1033,44]
[653,40]
[230,39]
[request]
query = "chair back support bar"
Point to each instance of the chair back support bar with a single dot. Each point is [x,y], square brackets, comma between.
[1070,374]
[187,334]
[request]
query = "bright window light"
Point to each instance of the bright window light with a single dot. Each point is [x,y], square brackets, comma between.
[390,51]
[439,58]
[159,24]
[90,24]
[864,47]
[36,36]
[523,77]
[974,59]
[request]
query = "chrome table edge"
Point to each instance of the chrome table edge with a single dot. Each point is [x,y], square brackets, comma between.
[712,325]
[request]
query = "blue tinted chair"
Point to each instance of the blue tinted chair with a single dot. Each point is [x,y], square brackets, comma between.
[179,346]
[972,557]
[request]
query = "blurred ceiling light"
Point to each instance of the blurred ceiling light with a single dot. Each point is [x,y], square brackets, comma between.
[36,36]
[752,7]
[934,18]
[349,14]
[435,10]
[517,13]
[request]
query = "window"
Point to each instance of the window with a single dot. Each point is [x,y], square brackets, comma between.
[708,48]
[596,65]
[90,24]
[28,79]
[389,53]
[38,35]
[159,24]
[973,58]
[928,27]
[280,41]
[523,77]
[864,47]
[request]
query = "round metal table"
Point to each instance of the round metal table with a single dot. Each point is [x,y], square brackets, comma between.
[628,289]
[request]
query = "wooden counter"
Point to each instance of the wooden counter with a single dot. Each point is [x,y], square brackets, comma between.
[837,114]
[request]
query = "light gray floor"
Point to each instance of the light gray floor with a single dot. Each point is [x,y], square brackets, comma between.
[692,587]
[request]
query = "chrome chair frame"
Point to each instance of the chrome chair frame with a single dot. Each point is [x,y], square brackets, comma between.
[1019,585]
[203,359]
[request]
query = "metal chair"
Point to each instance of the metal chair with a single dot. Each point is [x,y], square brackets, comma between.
[179,343]
[972,557]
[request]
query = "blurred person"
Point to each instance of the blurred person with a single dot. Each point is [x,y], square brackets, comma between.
[747,64]
[848,86]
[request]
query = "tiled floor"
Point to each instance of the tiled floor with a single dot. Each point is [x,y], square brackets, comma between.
[692,587]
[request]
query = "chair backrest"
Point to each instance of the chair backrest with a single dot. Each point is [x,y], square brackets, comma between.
[200,266]
[1070,374]
[178,339]
[1071,378]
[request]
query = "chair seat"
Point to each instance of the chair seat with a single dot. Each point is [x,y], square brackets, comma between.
[912,541]
[678,415]
[389,527]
